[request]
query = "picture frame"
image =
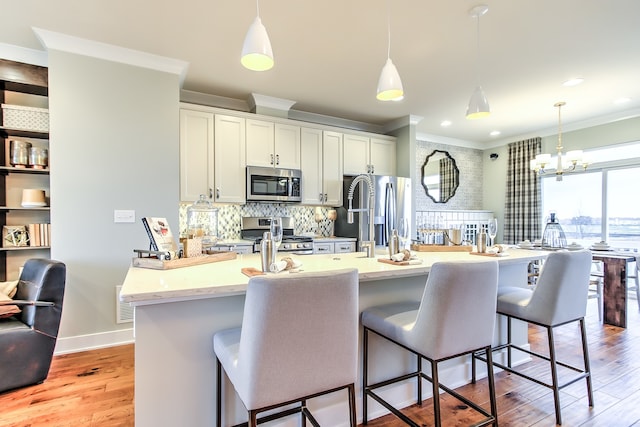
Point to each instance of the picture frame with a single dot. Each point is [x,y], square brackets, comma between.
[14,236]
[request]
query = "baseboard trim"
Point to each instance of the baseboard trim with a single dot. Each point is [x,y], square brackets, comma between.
[79,343]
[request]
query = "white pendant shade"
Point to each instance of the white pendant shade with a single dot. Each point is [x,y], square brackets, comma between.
[256,50]
[478,105]
[389,84]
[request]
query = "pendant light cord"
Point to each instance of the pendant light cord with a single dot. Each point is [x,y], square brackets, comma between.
[388,29]
[478,50]
[258,8]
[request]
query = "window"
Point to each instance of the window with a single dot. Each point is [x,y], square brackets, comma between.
[606,190]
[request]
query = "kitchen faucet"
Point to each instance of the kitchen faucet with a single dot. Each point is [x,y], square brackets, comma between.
[368,245]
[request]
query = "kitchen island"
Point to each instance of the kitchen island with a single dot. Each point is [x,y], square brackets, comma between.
[178,311]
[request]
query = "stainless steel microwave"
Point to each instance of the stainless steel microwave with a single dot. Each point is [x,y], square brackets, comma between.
[266,184]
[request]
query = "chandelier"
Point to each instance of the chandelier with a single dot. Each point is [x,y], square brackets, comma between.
[563,163]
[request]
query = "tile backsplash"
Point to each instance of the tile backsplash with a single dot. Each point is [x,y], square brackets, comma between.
[229,217]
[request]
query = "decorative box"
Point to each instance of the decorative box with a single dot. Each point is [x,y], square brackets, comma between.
[28,118]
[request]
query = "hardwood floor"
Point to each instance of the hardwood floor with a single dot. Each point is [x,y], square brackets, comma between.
[95,388]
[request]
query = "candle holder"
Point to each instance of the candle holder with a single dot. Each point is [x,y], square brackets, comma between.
[319,217]
[331,216]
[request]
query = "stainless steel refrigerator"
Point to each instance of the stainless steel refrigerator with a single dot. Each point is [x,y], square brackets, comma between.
[392,205]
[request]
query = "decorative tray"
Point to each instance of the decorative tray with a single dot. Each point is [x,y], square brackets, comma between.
[158,264]
[439,248]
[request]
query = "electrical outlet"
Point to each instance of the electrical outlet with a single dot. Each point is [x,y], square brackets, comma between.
[124,215]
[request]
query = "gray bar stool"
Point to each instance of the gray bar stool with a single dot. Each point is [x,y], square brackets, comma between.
[455,317]
[559,298]
[298,340]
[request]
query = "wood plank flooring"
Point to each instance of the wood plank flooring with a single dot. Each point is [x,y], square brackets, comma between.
[95,388]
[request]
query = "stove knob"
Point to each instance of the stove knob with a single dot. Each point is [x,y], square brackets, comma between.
[306,245]
[286,246]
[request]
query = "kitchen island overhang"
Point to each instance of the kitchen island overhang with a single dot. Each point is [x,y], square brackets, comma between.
[178,311]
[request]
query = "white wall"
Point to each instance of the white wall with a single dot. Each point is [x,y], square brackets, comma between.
[114,132]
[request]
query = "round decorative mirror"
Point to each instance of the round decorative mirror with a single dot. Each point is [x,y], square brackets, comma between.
[440,176]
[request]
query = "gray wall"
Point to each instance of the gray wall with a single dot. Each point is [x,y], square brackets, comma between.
[114,132]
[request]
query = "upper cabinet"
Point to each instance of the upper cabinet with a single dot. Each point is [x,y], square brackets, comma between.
[370,155]
[272,144]
[321,164]
[229,165]
[196,154]
[212,156]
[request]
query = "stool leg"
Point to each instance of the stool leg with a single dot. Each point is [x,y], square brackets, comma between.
[419,363]
[303,417]
[585,355]
[365,362]
[253,419]
[353,422]
[554,375]
[509,341]
[492,385]
[435,383]
[218,393]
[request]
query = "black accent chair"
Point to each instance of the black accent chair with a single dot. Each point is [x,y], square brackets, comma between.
[27,340]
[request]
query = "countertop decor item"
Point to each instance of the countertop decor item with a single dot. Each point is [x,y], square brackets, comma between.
[33,198]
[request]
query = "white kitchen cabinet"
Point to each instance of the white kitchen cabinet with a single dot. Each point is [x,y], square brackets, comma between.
[196,154]
[321,164]
[322,248]
[369,155]
[333,246]
[229,159]
[271,144]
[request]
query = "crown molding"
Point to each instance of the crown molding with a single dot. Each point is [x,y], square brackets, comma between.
[99,50]
[24,55]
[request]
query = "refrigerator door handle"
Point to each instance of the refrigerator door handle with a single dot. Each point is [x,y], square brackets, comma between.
[389,209]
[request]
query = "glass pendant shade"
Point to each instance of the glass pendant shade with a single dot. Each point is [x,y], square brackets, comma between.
[256,50]
[553,236]
[478,105]
[389,84]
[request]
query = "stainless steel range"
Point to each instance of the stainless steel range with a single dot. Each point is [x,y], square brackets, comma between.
[253,228]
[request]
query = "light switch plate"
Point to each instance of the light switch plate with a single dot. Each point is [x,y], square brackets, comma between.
[120,215]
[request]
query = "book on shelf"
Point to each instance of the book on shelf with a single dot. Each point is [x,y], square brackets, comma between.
[39,234]
[160,235]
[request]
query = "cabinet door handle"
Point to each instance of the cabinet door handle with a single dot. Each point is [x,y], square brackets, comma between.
[271,159]
[210,193]
[218,193]
[324,198]
[277,159]
[321,198]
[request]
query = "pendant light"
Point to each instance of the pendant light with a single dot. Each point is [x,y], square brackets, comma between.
[478,105]
[256,50]
[389,84]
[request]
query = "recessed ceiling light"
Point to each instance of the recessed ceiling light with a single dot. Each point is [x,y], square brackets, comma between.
[573,82]
[445,123]
[622,100]
[495,133]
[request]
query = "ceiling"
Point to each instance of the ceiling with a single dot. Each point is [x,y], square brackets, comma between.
[329,55]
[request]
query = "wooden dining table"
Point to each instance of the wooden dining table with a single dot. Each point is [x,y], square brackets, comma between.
[614,293]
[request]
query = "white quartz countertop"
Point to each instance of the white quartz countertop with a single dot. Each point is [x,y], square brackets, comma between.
[147,286]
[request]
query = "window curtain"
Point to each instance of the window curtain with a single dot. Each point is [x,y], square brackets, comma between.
[523,201]
[447,178]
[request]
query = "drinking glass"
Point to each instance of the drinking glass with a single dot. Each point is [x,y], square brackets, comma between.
[492,229]
[403,232]
[276,231]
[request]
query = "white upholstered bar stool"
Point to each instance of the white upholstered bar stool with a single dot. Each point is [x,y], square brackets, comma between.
[455,317]
[298,340]
[559,298]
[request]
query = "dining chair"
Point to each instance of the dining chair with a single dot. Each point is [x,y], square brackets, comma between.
[298,340]
[455,317]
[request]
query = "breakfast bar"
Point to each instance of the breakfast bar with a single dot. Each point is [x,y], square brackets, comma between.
[177,312]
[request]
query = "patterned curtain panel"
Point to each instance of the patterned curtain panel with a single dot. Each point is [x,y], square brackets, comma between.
[447,178]
[523,202]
